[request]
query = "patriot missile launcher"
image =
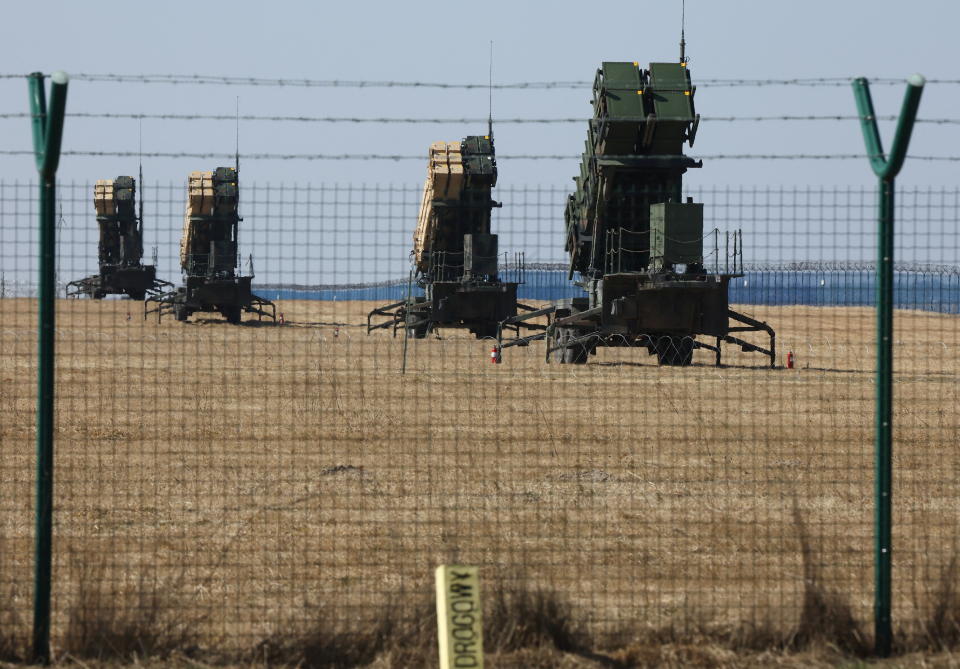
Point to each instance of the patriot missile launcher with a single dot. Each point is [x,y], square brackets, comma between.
[455,255]
[120,248]
[635,245]
[209,255]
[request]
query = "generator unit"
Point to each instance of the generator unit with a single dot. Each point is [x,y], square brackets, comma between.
[120,247]
[635,245]
[209,255]
[455,256]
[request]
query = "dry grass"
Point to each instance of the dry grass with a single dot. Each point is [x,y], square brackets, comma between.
[941,627]
[320,636]
[826,616]
[113,620]
[255,472]
[13,629]
[518,617]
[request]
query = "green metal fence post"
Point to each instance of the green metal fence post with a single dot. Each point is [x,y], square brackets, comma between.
[886,169]
[47,128]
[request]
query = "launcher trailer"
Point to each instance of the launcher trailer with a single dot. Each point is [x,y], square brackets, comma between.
[120,248]
[455,256]
[209,255]
[635,244]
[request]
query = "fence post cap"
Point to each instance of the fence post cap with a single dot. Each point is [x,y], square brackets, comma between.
[916,79]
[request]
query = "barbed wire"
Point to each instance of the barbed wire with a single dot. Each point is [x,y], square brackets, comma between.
[760,267]
[398,157]
[462,121]
[817,81]
[218,80]
[802,266]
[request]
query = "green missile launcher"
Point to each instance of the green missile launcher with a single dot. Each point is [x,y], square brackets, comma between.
[635,245]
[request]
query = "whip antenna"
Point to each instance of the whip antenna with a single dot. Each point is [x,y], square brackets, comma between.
[490,95]
[683,20]
[236,175]
[140,176]
[236,155]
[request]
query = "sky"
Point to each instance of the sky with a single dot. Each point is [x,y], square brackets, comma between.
[449,42]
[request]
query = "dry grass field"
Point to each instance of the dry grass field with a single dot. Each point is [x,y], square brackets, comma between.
[246,482]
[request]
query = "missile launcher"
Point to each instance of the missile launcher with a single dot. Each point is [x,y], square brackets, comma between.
[455,255]
[209,255]
[635,245]
[120,247]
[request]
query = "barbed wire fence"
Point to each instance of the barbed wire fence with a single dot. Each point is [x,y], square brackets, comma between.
[398,157]
[280,493]
[217,80]
[239,490]
[457,121]
[533,86]
[775,222]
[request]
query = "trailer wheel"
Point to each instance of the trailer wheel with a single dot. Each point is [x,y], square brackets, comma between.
[180,312]
[674,351]
[232,314]
[418,331]
[576,354]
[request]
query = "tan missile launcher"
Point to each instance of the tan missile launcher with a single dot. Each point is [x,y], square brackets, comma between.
[199,203]
[209,254]
[120,249]
[456,256]
[444,182]
[103,199]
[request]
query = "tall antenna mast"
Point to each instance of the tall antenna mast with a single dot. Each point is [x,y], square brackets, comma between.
[490,95]
[236,167]
[236,155]
[140,177]
[683,42]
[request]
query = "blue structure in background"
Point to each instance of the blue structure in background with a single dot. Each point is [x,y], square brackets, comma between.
[935,290]
[847,288]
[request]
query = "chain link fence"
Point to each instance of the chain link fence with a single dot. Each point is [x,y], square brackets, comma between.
[281,492]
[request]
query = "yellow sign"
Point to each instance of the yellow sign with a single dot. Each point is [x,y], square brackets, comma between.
[459,617]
